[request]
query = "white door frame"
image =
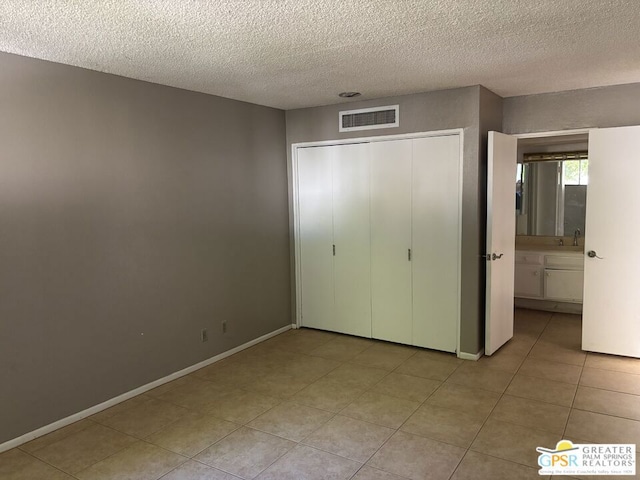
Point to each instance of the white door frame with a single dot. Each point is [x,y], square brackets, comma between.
[552,133]
[544,134]
[381,138]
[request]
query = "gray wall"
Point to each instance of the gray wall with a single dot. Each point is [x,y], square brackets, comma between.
[614,106]
[132,215]
[447,109]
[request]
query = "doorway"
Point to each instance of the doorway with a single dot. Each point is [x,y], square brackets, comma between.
[548,261]
[551,188]
[611,322]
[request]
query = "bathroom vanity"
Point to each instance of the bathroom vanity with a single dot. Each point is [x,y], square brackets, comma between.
[551,274]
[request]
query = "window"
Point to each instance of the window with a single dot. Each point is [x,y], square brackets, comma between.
[519,187]
[575,172]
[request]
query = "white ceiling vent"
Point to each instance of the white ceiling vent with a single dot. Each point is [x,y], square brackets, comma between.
[370,118]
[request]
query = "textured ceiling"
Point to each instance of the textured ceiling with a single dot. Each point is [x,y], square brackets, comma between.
[299,53]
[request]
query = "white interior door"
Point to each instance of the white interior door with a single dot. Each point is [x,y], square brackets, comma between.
[436,241]
[352,260]
[391,240]
[611,308]
[316,236]
[501,231]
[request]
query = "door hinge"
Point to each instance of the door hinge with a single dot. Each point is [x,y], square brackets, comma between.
[334,250]
[409,254]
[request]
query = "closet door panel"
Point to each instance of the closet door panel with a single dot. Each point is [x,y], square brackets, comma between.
[352,272]
[315,209]
[436,254]
[391,240]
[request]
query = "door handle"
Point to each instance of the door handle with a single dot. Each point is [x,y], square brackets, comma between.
[593,254]
[496,256]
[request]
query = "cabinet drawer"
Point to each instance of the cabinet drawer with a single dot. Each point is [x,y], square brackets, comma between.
[565,262]
[529,258]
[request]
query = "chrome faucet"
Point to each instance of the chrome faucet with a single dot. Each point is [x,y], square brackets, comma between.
[576,234]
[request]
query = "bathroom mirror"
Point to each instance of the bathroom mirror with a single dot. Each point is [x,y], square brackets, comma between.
[551,193]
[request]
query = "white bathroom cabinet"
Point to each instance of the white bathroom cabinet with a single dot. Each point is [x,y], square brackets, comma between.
[557,276]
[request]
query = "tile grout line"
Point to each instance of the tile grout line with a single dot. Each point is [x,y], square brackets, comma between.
[397,430]
[98,461]
[334,414]
[438,388]
[187,457]
[49,464]
[138,440]
[368,389]
[469,448]
[527,356]
[573,400]
[193,457]
[87,419]
[177,420]
[375,468]
[206,465]
[371,423]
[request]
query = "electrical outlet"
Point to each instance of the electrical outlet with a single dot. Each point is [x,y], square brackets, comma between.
[203,335]
[224,327]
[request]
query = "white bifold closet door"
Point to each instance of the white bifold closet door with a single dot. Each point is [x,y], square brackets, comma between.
[379,230]
[435,239]
[333,203]
[352,260]
[391,241]
[315,207]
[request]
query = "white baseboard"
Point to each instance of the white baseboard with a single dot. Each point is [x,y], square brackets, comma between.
[471,356]
[126,396]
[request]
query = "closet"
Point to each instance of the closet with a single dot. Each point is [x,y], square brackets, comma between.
[378,239]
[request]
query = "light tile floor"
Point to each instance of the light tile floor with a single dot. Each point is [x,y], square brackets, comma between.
[315,405]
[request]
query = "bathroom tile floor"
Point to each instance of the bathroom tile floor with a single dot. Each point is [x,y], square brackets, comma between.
[309,404]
